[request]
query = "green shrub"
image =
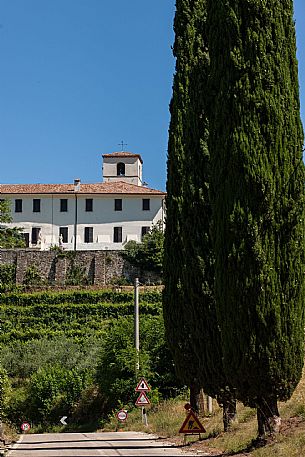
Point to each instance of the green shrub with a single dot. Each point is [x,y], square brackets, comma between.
[4,388]
[17,406]
[76,275]
[109,296]
[89,408]
[116,372]
[32,276]
[35,321]
[147,255]
[53,342]
[7,277]
[23,358]
[53,391]
[120,281]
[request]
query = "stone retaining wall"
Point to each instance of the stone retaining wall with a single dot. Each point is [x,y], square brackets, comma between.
[100,267]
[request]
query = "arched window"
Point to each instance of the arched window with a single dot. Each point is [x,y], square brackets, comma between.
[120,169]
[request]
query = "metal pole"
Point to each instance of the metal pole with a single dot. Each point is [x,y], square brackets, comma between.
[136,324]
[210,404]
[75,223]
[144,417]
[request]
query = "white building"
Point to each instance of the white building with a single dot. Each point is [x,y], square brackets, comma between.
[88,216]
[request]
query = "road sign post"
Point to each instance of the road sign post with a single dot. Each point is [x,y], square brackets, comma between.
[142,400]
[144,417]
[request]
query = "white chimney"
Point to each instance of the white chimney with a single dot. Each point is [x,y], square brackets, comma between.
[76,185]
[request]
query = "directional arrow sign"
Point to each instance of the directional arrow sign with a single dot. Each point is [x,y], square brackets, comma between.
[63,420]
[142,400]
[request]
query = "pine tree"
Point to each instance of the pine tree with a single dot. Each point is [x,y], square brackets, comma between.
[189,306]
[257,183]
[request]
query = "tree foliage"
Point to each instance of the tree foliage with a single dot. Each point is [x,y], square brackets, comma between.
[24,358]
[55,346]
[147,255]
[54,391]
[7,277]
[4,387]
[258,197]
[189,304]
[116,370]
[178,331]
[10,237]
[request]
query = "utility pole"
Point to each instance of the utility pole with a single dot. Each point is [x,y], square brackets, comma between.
[76,189]
[136,324]
[137,338]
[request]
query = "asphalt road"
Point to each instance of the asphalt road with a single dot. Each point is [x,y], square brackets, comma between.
[93,445]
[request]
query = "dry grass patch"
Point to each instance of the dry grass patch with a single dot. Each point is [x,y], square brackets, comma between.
[10,434]
[166,419]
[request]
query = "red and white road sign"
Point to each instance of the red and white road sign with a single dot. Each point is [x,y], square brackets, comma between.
[142,386]
[142,400]
[192,424]
[25,426]
[122,415]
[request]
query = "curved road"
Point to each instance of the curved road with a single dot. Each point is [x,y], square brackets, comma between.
[93,445]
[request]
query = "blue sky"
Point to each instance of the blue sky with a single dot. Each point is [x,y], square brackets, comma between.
[79,76]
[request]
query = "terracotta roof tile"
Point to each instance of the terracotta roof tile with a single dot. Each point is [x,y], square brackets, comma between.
[123,154]
[118,187]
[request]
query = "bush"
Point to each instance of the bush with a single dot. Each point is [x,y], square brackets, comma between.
[17,406]
[109,296]
[32,277]
[38,320]
[4,389]
[89,408]
[76,276]
[116,370]
[52,343]
[22,359]
[7,277]
[54,391]
[147,255]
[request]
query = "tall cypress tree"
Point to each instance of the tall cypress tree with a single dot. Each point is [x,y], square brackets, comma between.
[176,321]
[189,305]
[256,142]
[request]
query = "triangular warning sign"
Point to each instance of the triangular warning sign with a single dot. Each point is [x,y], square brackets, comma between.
[192,424]
[142,386]
[142,400]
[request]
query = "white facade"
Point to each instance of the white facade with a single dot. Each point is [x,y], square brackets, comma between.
[87,216]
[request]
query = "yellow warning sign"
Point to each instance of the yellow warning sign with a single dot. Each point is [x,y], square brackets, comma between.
[192,424]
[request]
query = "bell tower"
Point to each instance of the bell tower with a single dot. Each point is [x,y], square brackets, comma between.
[123,166]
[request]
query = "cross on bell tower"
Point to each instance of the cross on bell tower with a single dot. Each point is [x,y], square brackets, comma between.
[122,144]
